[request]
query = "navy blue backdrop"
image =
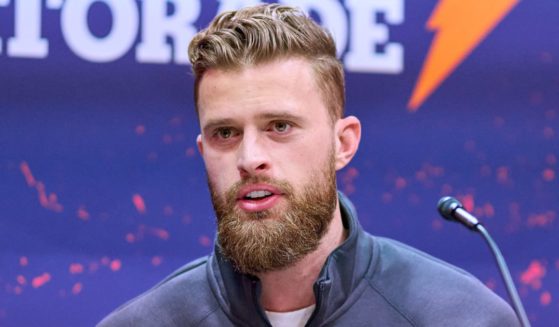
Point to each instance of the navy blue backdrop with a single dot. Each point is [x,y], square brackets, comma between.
[103,192]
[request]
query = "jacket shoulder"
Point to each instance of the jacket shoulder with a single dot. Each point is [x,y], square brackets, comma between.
[429,291]
[182,298]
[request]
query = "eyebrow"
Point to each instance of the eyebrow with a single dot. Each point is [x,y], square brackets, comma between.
[217,122]
[280,115]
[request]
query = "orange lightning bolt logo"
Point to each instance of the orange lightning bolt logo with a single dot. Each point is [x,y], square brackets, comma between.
[460,26]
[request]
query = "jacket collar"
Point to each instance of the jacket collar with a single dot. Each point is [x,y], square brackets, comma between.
[334,289]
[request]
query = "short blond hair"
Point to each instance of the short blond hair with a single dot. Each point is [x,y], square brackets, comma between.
[262,34]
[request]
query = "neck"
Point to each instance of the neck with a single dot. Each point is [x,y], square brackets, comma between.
[291,288]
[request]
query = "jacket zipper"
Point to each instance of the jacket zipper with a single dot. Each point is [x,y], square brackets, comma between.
[318,296]
[256,300]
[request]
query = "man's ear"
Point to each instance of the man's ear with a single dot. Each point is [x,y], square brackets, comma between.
[200,144]
[348,136]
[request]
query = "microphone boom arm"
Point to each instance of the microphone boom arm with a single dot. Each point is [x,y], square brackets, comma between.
[451,209]
[505,273]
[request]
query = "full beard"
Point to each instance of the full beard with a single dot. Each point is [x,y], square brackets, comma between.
[274,239]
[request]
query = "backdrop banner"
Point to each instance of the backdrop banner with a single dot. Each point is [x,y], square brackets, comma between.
[103,191]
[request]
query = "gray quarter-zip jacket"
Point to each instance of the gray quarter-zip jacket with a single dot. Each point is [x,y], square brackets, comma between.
[366,281]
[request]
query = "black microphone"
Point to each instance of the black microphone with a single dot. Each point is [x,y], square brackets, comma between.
[453,210]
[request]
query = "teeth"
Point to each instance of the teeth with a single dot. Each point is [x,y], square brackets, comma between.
[258,194]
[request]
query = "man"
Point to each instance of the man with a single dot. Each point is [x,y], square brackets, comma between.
[269,94]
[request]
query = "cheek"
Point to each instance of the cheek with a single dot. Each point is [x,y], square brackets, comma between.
[220,171]
[309,156]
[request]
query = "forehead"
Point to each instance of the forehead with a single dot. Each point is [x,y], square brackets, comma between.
[286,84]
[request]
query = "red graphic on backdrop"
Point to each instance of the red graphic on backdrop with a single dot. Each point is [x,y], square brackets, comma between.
[460,26]
[47,200]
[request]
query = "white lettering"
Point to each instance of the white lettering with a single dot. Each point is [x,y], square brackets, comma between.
[27,41]
[332,16]
[226,5]
[367,34]
[86,45]
[157,25]
[167,26]
[55,4]
[3,3]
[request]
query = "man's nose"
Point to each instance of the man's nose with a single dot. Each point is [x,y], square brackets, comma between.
[252,157]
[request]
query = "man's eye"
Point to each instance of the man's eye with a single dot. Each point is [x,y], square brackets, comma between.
[224,133]
[281,127]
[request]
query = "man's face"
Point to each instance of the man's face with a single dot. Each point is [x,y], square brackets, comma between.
[268,145]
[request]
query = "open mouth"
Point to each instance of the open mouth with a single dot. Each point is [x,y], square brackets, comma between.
[257,195]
